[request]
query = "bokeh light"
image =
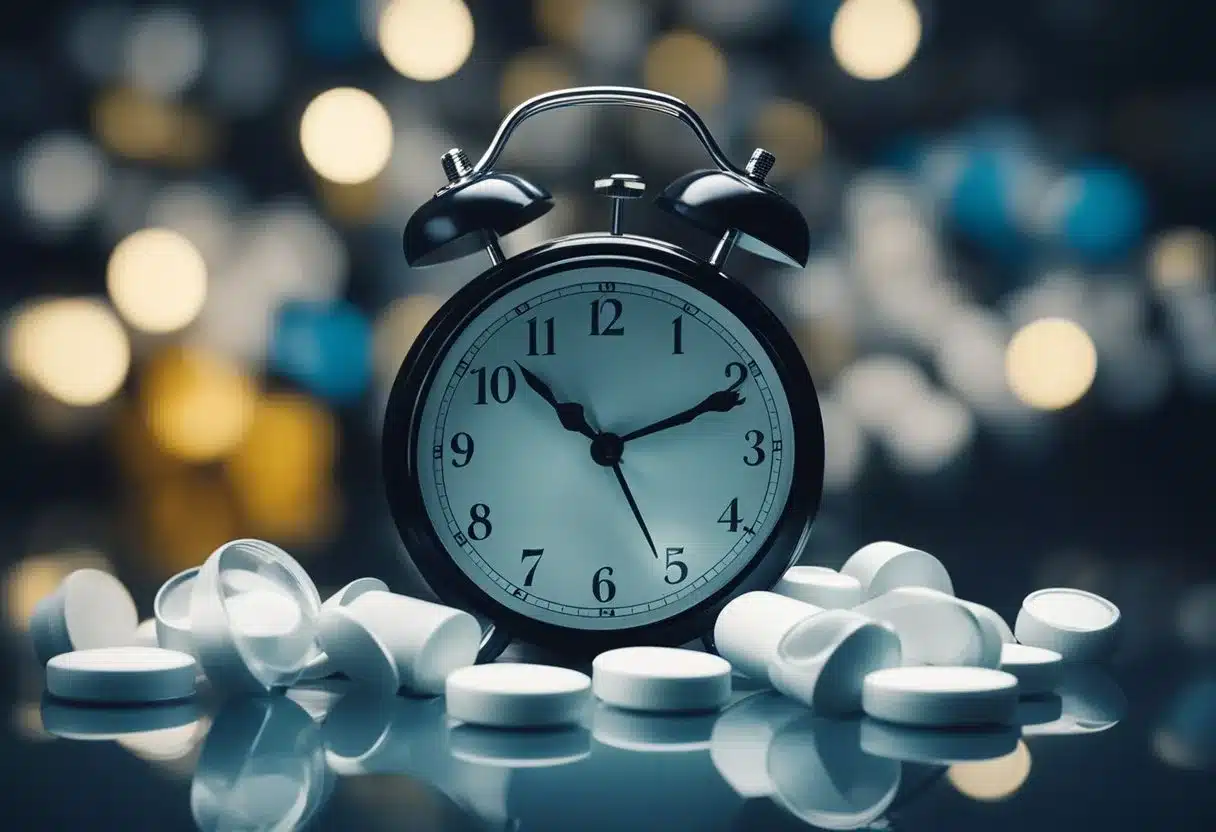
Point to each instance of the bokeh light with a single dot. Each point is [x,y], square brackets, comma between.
[992,780]
[183,518]
[561,20]
[346,135]
[688,66]
[426,40]
[157,280]
[1182,258]
[326,347]
[75,350]
[60,179]
[165,51]
[875,39]
[790,130]
[396,329]
[1050,363]
[531,73]
[33,578]
[137,125]
[197,406]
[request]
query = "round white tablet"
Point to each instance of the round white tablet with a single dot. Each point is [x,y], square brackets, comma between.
[1079,625]
[517,695]
[943,697]
[89,609]
[931,746]
[825,588]
[661,679]
[120,675]
[883,566]
[1037,668]
[519,749]
[823,660]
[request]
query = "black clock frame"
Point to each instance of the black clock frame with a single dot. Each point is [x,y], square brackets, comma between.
[400,446]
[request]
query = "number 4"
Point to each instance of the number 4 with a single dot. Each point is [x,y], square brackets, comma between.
[730,516]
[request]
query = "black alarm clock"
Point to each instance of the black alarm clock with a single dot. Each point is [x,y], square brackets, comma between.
[601,441]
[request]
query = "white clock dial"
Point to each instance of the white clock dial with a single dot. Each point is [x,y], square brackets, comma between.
[542,524]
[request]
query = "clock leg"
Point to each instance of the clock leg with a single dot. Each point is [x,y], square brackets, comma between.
[494,640]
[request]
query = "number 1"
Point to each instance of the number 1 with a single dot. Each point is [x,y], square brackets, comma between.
[677,335]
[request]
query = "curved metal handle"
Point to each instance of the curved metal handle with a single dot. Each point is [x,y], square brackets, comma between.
[625,96]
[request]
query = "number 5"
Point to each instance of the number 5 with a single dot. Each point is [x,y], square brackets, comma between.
[681,566]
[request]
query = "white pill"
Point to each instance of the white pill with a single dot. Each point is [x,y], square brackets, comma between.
[1037,668]
[935,628]
[652,733]
[520,749]
[121,675]
[171,608]
[145,634]
[318,666]
[89,609]
[661,679]
[513,695]
[824,659]
[390,641]
[932,746]
[942,697]
[100,722]
[822,775]
[992,621]
[1079,625]
[825,588]
[883,566]
[749,628]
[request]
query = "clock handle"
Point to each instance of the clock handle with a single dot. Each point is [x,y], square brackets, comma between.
[494,640]
[595,96]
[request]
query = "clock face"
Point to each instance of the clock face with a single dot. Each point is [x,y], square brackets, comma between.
[604,447]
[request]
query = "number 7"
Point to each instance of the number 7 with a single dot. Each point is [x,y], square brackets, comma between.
[531,553]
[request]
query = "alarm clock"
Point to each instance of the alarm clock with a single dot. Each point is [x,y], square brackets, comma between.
[601,441]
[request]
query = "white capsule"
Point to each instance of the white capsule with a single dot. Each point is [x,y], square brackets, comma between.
[388,641]
[510,695]
[121,675]
[749,628]
[661,679]
[89,609]
[1037,669]
[825,588]
[1079,625]
[318,666]
[935,628]
[823,660]
[883,566]
[942,697]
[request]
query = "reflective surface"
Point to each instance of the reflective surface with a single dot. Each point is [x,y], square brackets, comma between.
[328,756]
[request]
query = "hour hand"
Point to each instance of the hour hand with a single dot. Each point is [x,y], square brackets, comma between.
[571,414]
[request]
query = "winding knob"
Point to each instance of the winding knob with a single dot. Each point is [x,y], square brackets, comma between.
[760,164]
[456,164]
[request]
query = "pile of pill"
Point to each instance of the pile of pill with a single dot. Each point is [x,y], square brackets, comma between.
[884,635]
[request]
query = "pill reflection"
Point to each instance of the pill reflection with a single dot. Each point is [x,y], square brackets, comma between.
[1090,701]
[506,748]
[652,733]
[742,736]
[935,746]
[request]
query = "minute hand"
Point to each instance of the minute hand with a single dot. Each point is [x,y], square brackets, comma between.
[718,402]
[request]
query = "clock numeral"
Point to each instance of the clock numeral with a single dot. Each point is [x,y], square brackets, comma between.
[531,553]
[776,446]
[611,309]
[522,308]
[754,438]
[680,566]
[534,337]
[607,287]
[677,335]
[519,593]
[462,444]
[607,612]
[461,539]
[731,368]
[480,527]
[501,386]
[730,516]
[603,589]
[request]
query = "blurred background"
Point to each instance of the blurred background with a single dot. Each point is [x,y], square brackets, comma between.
[1010,309]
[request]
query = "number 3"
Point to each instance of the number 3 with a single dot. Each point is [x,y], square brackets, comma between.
[755,438]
